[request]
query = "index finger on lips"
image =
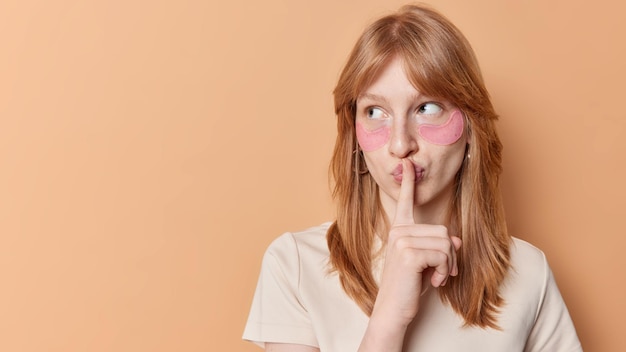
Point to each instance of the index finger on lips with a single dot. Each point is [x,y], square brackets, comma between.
[404,208]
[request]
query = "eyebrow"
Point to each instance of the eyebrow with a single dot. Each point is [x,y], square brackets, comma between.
[374,97]
[382,99]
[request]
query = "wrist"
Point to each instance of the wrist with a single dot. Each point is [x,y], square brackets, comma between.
[383,335]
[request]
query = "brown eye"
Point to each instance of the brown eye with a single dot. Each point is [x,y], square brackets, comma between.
[429,109]
[375,113]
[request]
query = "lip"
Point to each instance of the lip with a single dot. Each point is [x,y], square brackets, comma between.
[397,173]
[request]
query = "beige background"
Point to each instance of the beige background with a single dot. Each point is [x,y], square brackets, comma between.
[150,151]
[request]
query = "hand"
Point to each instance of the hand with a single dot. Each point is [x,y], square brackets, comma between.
[414,252]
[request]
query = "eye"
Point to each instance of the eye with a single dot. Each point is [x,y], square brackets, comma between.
[429,109]
[375,113]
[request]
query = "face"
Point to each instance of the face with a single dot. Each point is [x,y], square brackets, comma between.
[395,121]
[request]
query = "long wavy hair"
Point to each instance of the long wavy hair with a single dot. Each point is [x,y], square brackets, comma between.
[439,62]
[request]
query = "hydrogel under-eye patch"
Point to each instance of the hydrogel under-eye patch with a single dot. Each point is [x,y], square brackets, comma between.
[445,134]
[372,140]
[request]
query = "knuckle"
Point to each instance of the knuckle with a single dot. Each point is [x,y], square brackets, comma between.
[440,244]
[441,229]
[402,243]
[440,257]
[394,232]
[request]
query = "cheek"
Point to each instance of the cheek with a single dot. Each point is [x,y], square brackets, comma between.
[372,140]
[445,134]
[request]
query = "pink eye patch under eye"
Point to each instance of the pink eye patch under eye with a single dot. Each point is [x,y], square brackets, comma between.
[446,134]
[372,140]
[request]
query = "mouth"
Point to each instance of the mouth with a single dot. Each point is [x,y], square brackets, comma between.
[397,173]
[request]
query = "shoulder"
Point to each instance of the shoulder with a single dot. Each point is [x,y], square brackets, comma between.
[302,246]
[528,275]
[527,255]
[528,263]
[311,239]
[532,295]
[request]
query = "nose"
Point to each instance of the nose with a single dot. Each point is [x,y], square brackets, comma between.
[403,141]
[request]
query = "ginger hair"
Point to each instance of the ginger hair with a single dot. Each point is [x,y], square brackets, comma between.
[439,62]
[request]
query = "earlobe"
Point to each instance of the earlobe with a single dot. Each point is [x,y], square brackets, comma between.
[359,166]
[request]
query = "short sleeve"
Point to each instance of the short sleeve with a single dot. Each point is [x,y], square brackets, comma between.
[277,313]
[553,329]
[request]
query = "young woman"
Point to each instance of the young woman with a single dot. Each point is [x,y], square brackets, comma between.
[419,258]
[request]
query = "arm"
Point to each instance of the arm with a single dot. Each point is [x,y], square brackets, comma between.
[414,251]
[553,328]
[277,313]
[411,249]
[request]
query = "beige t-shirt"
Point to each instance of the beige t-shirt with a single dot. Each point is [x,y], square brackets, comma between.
[298,301]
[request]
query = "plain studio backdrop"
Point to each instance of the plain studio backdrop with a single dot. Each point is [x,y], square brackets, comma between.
[151,150]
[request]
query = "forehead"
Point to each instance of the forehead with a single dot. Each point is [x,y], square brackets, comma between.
[390,81]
